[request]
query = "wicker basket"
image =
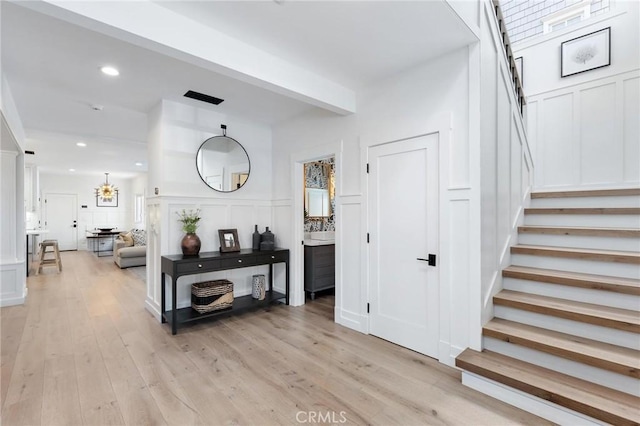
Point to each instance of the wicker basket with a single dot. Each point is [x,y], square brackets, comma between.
[211,296]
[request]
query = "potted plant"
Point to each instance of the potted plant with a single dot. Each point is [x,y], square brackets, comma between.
[190,242]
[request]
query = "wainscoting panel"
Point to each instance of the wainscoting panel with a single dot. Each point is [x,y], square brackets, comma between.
[351,311]
[556,149]
[631,128]
[598,139]
[587,135]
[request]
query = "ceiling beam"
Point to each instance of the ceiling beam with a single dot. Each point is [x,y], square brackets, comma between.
[156,28]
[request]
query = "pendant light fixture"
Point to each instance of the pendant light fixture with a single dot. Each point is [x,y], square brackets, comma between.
[106,191]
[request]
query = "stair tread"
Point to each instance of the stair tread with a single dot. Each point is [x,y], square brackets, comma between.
[579,279]
[582,210]
[623,319]
[582,253]
[579,230]
[597,401]
[619,192]
[598,354]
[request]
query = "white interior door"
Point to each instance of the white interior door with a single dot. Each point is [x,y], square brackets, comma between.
[61,220]
[403,228]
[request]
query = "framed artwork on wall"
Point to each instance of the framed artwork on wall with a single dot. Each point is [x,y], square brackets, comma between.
[585,53]
[229,241]
[105,202]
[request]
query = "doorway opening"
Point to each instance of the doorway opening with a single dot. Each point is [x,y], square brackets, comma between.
[319,228]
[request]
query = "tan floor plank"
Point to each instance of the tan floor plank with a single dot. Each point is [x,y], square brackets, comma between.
[260,368]
[134,399]
[383,385]
[11,330]
[97,398]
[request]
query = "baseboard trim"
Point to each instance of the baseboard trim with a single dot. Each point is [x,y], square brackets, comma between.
[539,407]
[351,320]
[153,309]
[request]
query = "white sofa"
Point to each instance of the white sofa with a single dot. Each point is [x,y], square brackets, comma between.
[126,255]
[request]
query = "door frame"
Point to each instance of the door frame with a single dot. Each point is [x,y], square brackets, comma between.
[297,296]
[442,125]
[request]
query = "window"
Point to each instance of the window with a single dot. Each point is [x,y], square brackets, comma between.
[566,17]
[138,209]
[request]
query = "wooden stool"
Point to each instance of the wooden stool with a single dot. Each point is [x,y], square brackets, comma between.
[44,261]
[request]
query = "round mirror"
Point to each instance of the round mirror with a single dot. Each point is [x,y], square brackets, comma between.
[223,164]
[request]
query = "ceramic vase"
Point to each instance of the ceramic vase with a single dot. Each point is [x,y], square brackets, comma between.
[259,287]
[190,244]
[256,239]
[267,240]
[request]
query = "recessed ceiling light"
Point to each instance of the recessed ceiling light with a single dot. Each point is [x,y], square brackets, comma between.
[110,71]
[82,144]
[72,170]
[138,164]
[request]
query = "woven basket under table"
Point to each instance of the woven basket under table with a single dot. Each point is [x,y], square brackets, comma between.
[211,296]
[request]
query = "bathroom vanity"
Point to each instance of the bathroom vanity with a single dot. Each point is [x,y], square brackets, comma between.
[319,262]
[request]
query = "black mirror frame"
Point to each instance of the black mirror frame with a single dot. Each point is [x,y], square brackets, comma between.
[245,153]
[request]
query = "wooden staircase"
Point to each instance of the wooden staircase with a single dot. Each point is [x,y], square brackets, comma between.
[566,329]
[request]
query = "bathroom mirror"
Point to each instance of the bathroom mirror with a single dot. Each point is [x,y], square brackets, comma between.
[223,164]
[317,203]
[317,191]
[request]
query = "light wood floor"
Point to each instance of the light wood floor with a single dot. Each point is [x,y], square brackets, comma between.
[83,350]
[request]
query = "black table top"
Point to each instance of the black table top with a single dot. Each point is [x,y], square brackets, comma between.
[219,255]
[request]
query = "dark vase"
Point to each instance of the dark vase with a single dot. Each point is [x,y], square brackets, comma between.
[267,240]
[190,244]
[256,239]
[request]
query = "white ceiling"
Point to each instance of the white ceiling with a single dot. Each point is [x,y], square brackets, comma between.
[52,67]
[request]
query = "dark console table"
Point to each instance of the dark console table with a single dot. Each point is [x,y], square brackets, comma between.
[178,265]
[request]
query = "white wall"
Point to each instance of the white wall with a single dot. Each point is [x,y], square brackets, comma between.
[506,166]
[433,97]
[91,217]
[176,132]
[13,288]
[585,129]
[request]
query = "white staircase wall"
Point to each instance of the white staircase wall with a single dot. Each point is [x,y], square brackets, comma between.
[585,129]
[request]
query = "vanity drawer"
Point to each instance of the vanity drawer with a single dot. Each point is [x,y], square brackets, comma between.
[194,267]
[239,262]
[272,258]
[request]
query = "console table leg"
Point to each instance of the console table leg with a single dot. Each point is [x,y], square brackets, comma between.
[286,291]
[174,310]
[162,299]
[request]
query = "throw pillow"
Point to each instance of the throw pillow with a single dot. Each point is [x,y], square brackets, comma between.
[139,237]
[127,238]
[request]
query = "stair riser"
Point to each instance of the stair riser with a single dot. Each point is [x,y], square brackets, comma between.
[582,371]
[612,269]
[547,410]
[580,241]
[628,201]
[595,220]
[595,332]
[577,294]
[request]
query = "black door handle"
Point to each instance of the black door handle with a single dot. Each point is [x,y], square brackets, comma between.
[431,259]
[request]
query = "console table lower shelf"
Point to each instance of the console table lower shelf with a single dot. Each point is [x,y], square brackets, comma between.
[240,305]
[176,266]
